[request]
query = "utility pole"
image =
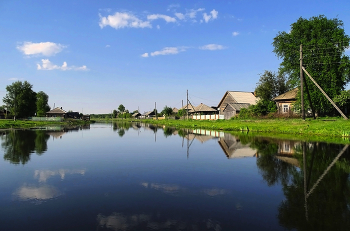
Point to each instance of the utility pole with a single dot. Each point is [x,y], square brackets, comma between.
[187,105]
[301,82]
[155,109]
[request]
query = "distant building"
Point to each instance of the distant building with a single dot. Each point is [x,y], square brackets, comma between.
[285,101]
[236,101]
[203,109]
[57,112]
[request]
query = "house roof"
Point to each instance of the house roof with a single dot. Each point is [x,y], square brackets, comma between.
[203,108]
[148,113]
[239,106]
[241,97]
[136,114]
[57,110]
[175,110]
[190,107]
[289,95]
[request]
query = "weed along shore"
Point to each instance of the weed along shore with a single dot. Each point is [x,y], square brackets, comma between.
[333,127]
[8,124]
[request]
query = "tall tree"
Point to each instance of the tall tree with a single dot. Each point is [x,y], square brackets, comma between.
[167,111]
[324,42]
[20,99]
[121,108]
[271,85]
[42,105]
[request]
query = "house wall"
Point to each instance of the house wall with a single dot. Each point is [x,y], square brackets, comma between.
[285,107]
[229,112]
[228,99]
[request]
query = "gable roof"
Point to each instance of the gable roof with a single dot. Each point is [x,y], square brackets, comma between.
[289,95]
[238,106]
[203,108]
[190,107]
[241,97]
[175,110]
[149,113]
[57,110]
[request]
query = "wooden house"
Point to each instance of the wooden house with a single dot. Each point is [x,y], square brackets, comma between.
[57,112]
[203,109]
[285,101]
[136,115]
[236,101]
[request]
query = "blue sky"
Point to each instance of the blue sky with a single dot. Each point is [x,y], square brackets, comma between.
[92,56]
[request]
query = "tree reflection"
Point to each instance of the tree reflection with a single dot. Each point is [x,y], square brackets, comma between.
[327,206]
[19,145]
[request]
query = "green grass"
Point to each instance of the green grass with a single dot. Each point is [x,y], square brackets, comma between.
[6,124]
[334,127]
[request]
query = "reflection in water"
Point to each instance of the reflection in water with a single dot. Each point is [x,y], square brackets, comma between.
[234,148]
[121,222]
[44,175]
[18,145]
[175,189]
[44,192]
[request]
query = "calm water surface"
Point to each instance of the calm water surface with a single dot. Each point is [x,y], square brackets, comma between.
[139,177]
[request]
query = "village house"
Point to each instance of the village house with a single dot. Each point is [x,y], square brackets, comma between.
[285,101]
[57,112]
[203,109]
[233,101]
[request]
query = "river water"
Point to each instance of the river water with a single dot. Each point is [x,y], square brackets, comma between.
[139,177]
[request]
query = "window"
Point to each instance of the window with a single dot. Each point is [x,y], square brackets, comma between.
[285,108]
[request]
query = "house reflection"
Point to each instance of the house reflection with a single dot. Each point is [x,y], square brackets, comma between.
[233,147]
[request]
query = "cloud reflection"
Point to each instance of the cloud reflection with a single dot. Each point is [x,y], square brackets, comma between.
[44,175]
[173,189]
[44,192]
[120,222]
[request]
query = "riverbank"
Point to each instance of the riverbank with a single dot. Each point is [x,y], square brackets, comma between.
[334,127]
[8,124]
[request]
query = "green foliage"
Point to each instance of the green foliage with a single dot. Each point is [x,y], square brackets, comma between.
[42,105]
[167,111]
[115,113]
[263,107]
[21,99]
[343,99]
[121,108]
[181,112]
[271,85]
[324,42]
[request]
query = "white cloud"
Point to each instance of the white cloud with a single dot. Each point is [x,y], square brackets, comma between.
[235,33]
[107,46]
[212,47]
[161,16]
[44,175]
[192,13]
[15,79]
[145,55]
[173,6]
[180,16]
[213,15]
[47,65]
[43,48]
[121,20]
[168,51]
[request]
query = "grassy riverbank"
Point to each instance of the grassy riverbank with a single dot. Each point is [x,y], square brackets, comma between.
[7,124]
[320,127]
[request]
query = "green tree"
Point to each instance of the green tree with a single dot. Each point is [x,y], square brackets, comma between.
[324,42]
[121,108]
[21,99]
[115,113]
[167,111]
[42,105]
[271,85]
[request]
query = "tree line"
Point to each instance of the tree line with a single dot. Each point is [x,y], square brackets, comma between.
[21,101]
[324,43]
